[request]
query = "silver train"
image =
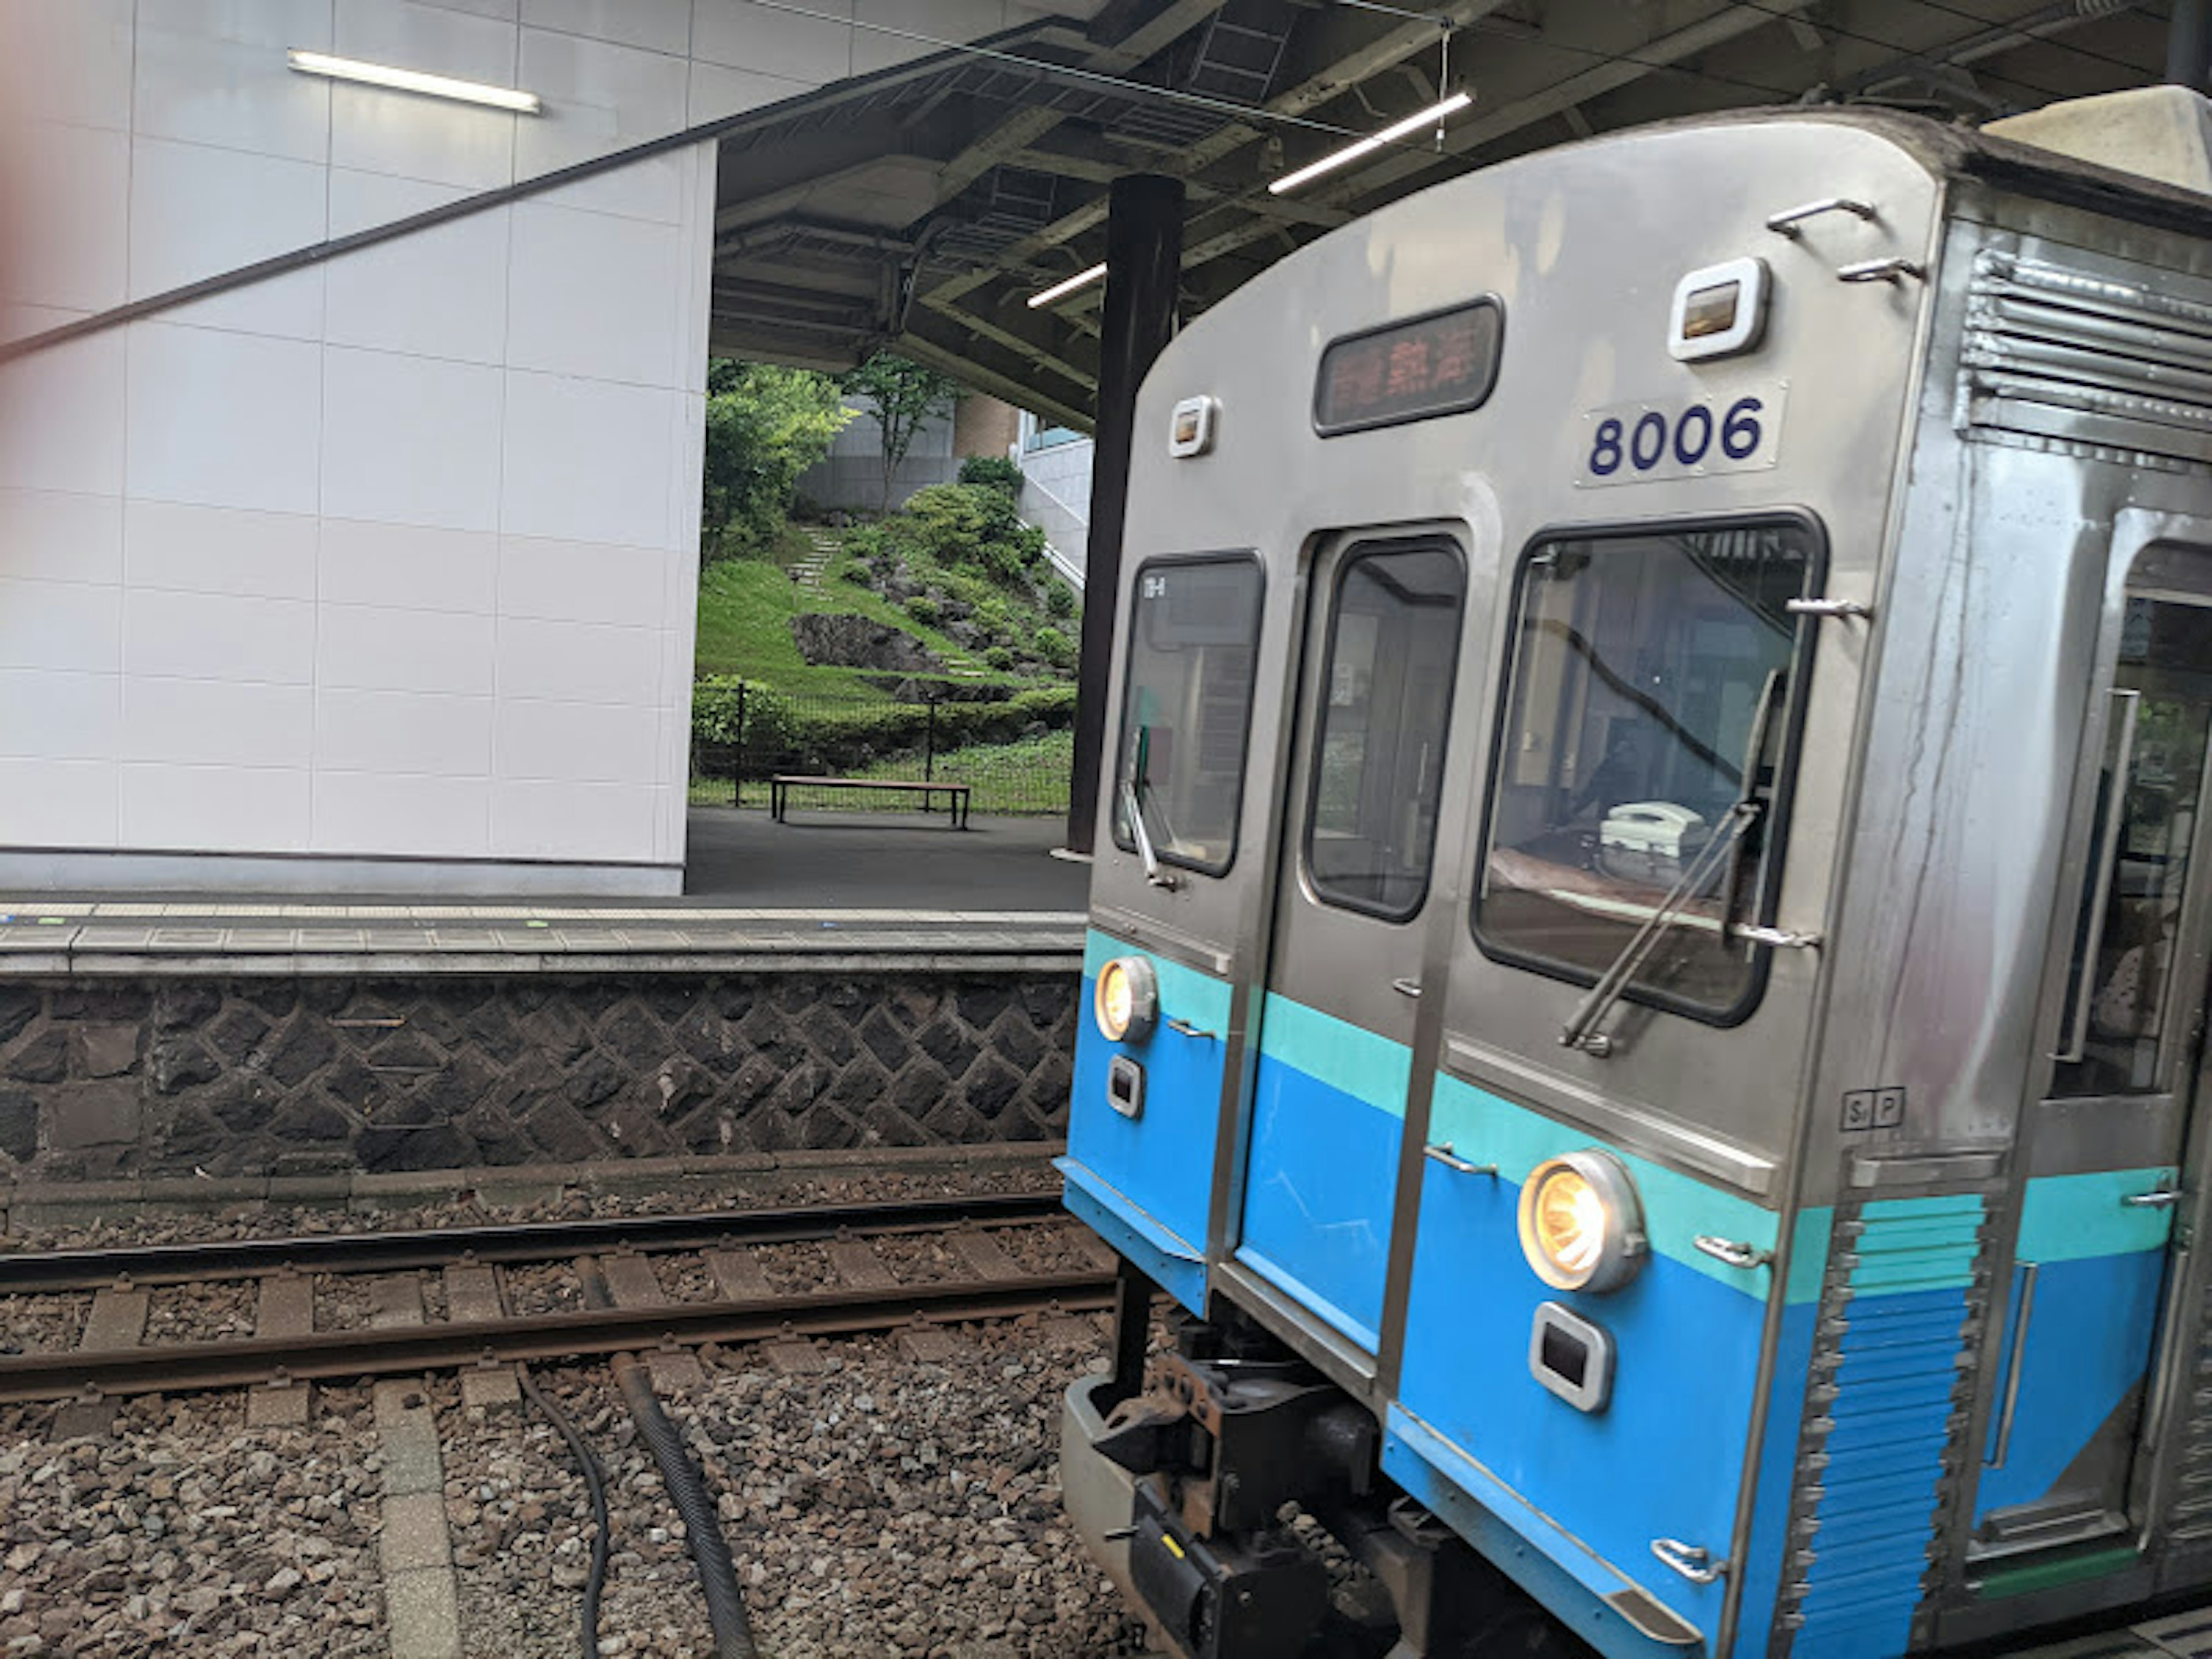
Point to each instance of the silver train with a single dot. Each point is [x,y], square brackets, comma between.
[1651,937]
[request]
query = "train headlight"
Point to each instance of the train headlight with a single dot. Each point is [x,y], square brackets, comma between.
[1581,1227]
[1128,999]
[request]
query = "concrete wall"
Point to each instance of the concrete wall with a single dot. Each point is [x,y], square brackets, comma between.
[851,476]
[1056,498]
[158,1077]
[393,556]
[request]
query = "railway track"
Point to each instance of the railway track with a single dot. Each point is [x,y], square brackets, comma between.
[986,1237]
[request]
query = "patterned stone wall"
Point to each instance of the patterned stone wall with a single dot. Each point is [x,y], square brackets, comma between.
[100,1079]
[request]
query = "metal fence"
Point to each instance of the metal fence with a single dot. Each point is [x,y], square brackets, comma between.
[1014,753]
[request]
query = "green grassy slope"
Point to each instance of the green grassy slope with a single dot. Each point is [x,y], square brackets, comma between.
[746,608]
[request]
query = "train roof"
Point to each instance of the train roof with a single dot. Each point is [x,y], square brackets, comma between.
[1971,155]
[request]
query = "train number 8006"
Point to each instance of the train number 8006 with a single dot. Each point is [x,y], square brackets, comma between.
[1632,443]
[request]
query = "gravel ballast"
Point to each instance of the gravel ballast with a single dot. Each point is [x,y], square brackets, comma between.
[186,1531]
[877,1507]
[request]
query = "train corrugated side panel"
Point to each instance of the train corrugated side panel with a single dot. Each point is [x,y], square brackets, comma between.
[1885,1396]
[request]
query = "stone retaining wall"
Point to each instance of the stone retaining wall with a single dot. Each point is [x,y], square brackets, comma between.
[100,1079]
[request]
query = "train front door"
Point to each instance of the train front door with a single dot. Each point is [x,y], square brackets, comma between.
[2073,1402]
[1363,785]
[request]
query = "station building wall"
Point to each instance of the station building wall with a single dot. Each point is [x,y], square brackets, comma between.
[380,573]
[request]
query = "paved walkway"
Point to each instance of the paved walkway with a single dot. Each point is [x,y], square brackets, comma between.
[837,859]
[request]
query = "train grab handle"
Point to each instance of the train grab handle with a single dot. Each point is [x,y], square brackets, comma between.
[1693,1561]
[1451,1160]
[1735,1252]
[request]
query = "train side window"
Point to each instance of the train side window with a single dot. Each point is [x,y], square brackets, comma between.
[1187,707]
[2122,1035]
[1378,764]
[1644,756]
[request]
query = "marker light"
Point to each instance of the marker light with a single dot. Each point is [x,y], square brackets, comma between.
[1128,999]
[1352,152]
[407,80]
[1581,1227]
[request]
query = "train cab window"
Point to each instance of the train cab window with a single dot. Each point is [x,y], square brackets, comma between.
[2122,1037]
[1393,648]
[1187,707]
[1643,756]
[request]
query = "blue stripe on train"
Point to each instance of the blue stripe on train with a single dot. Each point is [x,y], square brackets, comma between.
[1660,1462]
[2088,1338]
[1320,1184]
[1155,1171]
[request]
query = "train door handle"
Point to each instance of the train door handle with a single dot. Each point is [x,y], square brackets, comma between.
[1692,1561]
[1407,987]
[2161,1198]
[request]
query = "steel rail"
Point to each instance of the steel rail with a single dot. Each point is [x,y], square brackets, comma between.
[49,1271]
[104,1373]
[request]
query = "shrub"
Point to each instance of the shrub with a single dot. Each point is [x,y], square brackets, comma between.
[1054,647]
[993,472]
[924,610]
[994,616]
[968,525]
[727,710]
[1060,598]
[999,658]
[1054,705]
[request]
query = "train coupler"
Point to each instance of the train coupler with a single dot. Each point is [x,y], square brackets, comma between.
[1221,1598]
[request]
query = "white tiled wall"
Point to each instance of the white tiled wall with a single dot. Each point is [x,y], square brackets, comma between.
[394,554]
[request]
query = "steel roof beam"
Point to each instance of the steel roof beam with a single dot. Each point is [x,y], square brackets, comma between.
[1653,57]
[970,371]
[1385,52]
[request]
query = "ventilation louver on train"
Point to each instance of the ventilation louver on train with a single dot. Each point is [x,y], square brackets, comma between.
[2057,354]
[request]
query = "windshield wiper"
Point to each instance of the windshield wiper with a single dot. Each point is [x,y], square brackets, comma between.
[1133,808]
[1580,1031]
[1134,789]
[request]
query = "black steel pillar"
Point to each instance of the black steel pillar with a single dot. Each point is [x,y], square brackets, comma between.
[2189,44]
[1144,257]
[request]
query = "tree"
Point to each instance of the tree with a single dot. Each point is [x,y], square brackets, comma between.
[901,396]
[765,426]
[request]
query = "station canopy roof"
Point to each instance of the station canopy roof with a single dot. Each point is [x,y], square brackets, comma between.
[921,206]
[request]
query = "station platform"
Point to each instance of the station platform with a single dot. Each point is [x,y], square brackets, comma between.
[826,892]
[2177,1636]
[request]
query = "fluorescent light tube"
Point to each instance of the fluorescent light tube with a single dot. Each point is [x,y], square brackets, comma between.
[1352,152]
[1081,279]
[406,79]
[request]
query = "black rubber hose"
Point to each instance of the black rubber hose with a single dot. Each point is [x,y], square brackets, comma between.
[596,1482]
[687,1490]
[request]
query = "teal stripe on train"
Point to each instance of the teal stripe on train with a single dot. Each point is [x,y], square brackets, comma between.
[1185,994]
[1348,1058]
[2071,1218]
[1485,1128]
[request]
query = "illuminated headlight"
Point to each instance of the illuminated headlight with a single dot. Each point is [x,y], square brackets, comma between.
[1581,1227]
[1128,999]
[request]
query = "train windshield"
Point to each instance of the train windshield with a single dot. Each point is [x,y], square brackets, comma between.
[1645,720]
[1187,707]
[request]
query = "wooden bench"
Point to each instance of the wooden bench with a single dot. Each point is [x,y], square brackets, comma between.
[780,786]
